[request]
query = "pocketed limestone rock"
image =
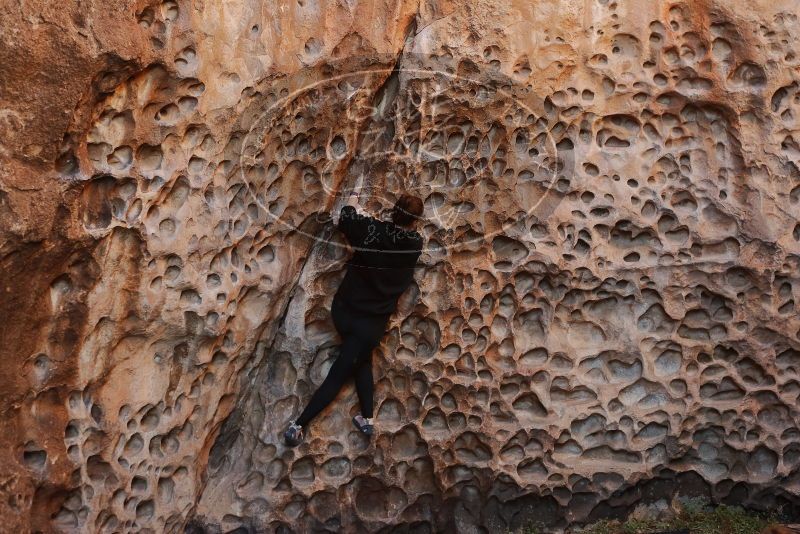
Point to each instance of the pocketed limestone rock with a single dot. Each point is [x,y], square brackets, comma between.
[603,316]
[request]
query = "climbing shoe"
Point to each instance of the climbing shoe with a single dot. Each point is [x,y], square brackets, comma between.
[293,435]
[363,424]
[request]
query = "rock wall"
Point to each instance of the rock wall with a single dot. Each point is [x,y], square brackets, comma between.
[605,311]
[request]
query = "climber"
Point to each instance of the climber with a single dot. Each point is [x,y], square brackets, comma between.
[378,272]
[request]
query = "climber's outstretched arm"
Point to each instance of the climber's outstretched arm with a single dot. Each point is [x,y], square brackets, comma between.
[351,200]
[352,221]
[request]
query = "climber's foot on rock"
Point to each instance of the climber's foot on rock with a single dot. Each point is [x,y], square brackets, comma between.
[293,435]
[363,424]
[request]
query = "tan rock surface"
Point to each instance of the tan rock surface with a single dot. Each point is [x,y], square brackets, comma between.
[605,314]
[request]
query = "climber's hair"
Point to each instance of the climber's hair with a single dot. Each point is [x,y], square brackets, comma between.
[407,210]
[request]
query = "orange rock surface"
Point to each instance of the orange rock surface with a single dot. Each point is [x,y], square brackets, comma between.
[604,315]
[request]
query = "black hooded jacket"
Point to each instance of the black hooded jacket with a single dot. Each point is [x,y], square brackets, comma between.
[382,264]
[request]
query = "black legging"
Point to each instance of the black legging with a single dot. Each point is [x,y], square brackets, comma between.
[360,333]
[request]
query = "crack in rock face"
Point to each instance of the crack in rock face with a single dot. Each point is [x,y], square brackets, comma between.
[603,316]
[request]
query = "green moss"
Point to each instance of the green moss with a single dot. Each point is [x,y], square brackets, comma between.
[696,517]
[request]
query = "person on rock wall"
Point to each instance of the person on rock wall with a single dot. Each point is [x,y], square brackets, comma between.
[379,271]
